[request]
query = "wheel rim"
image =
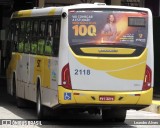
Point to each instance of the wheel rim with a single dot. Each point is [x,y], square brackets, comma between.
[38,104]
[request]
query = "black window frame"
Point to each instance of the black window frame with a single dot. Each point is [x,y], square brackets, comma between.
[34,36]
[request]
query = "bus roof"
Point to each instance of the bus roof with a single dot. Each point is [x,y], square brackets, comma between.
[48,11]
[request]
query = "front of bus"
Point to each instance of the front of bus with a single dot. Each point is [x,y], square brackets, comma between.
[106,57]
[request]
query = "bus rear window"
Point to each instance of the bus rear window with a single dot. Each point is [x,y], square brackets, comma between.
[107,26]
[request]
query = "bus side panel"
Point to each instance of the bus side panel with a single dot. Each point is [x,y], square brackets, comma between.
[12,68]
[150,57]
[45,69]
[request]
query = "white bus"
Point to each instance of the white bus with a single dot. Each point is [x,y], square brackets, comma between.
[89,57]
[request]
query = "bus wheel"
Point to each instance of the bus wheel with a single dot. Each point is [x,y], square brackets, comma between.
[114,115]
[120,115]
[20,102]
[107,115]
[14,86]
[39,105]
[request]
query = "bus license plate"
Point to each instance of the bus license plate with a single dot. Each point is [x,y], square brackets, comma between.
[106,98]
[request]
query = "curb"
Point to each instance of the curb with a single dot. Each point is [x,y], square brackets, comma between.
[154,107]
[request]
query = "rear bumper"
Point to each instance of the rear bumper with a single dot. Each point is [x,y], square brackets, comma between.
[134,99]
[99,106]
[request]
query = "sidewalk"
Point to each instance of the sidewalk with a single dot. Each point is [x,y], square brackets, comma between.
[154,107]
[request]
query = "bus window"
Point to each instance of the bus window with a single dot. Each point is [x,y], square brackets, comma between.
[20,45]
[11,35]
[57,27]
[49,39]
[21,36]
[35,28]
[34,37]
[34,46]
[56,37]
[17,36]
[22,28]
[27,37]
[26,46]
[28,28]
[17,31]
[41,39]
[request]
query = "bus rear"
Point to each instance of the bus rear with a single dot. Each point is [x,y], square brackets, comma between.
[106,59]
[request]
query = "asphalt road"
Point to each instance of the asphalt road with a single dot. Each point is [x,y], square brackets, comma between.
[9,111]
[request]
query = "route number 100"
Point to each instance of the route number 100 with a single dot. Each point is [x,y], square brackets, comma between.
[83,30]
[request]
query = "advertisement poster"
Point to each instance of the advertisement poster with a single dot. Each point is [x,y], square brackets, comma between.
[108,26]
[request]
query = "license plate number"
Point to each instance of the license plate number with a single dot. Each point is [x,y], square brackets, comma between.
[106,98]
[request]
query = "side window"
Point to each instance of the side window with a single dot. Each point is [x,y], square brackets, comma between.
[34,37]
[22,36]
[22,27]
[56,38]
[15,34]
[49,38]
[57,27]
[42,28]
[26,46]
[29,28]
[11,35]
[41,39]
[27,37]
[17,31]
[35,28]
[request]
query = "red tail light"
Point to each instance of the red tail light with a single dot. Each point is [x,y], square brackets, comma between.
[66,79]
[147,79]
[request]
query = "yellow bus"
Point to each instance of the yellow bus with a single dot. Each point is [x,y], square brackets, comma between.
[89,57]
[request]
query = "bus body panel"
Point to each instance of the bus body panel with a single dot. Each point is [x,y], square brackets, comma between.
[67,96]
[114,74]
[91,75]
[45,68]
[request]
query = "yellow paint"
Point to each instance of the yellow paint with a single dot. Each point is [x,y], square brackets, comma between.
[42,70]
[47,73]
[61,92]
[109,50]
[131,73]
[24,13]
[156,102]
[13,63]
[52,12]
[146,97]
[121,67]
[85,97]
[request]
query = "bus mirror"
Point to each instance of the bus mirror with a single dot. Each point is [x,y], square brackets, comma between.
[64,15]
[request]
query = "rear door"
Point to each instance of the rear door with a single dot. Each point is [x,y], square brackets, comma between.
[107,49]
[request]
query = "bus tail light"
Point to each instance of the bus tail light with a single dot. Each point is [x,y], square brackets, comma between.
[66,79]
[147,79]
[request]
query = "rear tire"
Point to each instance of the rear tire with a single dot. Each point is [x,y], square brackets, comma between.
[14,86]
[114,115]
[39,104]
[19,101]
[107,115]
